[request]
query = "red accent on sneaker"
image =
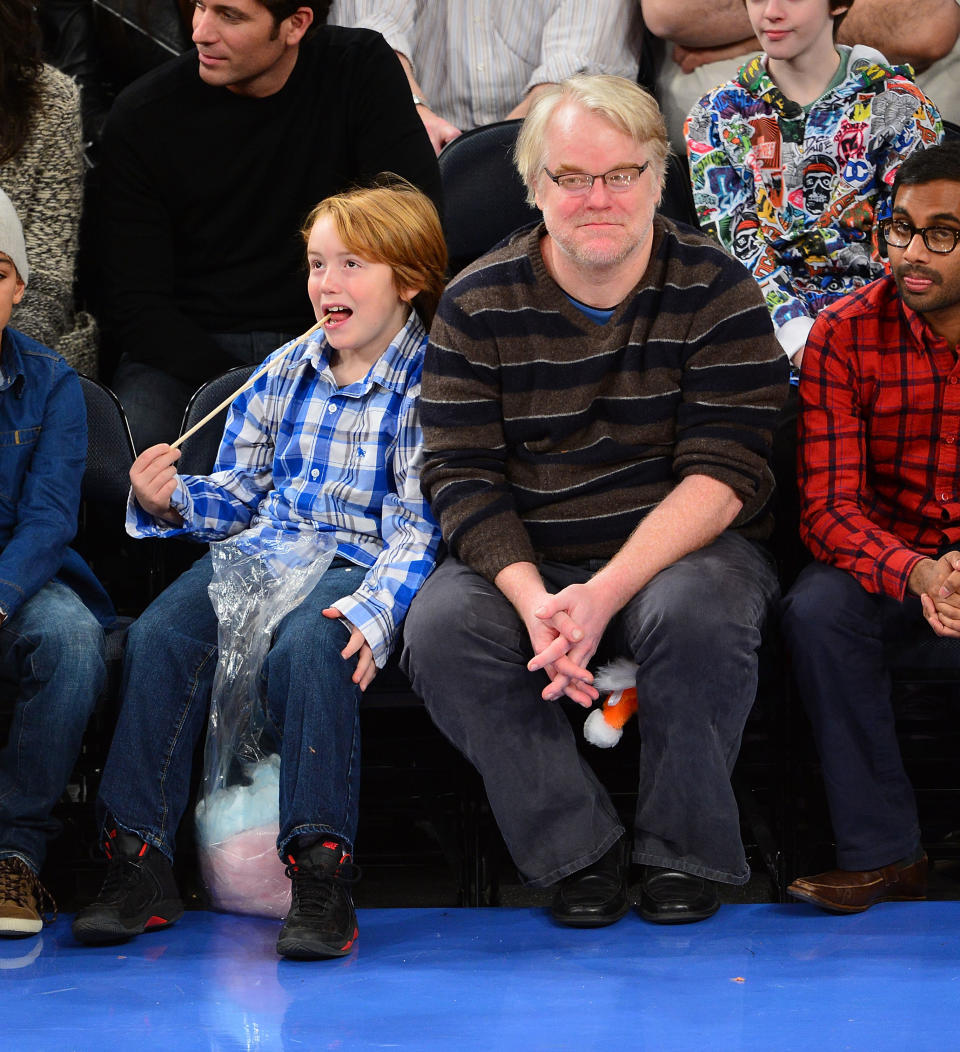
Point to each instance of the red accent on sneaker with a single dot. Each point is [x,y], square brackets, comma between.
[155,922]
[332,844]
[142,851]
[351,940]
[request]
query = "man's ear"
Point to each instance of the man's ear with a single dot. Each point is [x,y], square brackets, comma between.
[296,25]
[19,290]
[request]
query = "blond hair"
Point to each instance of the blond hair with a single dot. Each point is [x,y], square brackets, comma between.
[623,103]
[392,222]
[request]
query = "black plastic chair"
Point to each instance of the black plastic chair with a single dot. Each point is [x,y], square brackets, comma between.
[198,453]
[110,451]
[128,569]
[484,198]
[677,200]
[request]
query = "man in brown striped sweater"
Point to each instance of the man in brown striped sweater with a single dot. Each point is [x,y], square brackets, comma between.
[598,400]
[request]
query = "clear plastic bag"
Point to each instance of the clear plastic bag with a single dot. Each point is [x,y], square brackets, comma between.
[256,582]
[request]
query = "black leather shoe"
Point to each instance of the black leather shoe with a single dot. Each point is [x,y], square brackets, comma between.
[670,897]
[595,896]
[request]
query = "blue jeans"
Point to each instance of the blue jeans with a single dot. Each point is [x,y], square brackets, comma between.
[52,649]
[312,705]
[154,401]
[844,642]
[694,630]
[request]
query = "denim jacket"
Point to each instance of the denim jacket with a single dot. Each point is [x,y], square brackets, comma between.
[43,445]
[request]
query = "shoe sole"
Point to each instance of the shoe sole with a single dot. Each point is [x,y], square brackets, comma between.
[587,921]
[833,907]
[691,917]
[19,929]
[303,948]
[101,928]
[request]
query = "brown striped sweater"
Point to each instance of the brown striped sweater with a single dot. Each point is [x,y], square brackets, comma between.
[548,435]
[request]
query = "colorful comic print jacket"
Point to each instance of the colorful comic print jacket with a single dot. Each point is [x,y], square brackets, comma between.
[797,196]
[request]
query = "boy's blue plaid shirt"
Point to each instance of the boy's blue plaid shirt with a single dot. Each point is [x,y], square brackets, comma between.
[298,452]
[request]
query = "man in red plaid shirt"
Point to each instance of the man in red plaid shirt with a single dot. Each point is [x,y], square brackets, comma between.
[879,430]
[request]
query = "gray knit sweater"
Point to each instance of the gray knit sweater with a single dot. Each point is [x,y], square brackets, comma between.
[45,182]
[549,435]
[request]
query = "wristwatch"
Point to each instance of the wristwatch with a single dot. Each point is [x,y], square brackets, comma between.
[418,101]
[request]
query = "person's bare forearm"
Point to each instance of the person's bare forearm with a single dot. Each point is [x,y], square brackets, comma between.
[440,131]
[919,32]
[522,585]
[697,23]
[415,88]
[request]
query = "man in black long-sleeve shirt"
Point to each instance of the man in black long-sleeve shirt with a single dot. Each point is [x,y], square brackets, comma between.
[210,164]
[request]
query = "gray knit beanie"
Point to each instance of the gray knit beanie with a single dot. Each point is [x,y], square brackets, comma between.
[11,237]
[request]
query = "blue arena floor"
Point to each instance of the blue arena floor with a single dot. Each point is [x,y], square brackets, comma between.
[752,977]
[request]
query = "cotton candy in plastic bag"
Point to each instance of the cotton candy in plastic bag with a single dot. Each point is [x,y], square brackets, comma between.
[257,580]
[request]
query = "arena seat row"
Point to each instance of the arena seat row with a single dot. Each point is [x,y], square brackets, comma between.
[413,780]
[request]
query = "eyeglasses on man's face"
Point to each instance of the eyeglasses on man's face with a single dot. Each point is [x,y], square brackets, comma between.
[939,239]
[617,179]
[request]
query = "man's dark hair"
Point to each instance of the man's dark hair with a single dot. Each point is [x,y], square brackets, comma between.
[925,166]
[281,9]
[839,15]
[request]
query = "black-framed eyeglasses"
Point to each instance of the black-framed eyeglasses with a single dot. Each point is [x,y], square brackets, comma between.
[617,179]
[939,239]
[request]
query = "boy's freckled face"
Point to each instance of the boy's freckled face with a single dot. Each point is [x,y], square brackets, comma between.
[11,289]
[367,311]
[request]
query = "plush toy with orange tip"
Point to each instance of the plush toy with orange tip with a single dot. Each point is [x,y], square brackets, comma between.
[618,680]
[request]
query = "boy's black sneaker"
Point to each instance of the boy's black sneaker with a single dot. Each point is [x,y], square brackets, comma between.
[139,894]
[321,922]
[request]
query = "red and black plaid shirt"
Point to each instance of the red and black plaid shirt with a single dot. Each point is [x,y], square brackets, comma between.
[879,429]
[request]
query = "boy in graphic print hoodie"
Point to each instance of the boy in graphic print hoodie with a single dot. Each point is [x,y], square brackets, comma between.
[795,191]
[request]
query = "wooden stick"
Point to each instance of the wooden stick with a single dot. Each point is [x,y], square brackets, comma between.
[250,382]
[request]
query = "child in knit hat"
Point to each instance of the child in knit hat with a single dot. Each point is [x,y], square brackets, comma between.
[52,608]
[14,270]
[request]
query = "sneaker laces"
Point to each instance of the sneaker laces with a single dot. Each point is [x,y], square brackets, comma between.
[19,884]
[317,888]
[123,873]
